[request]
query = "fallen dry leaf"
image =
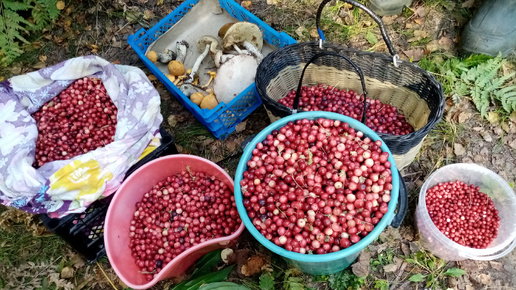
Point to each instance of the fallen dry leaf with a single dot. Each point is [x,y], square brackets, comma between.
[463,117]
[458,149]
[42,58]
[272,2]
[314,33]
[148,15]
[445,42]
[388,20]
[414,54]
[418,35]
[362,267]
[40,65]
[247,4]
[493,117]
[67,273]
[390,268]
[512,117]
[300,30]
[172,121]
[253,266]
[513,144]
[433,46]
[468,4]
[152,78]
[419,21]
[240,127]
[421,11]
[487,137]
[94,48]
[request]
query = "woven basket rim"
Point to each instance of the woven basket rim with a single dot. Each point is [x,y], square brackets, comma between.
[434,117]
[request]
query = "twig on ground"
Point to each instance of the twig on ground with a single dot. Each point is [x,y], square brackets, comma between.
[105,275]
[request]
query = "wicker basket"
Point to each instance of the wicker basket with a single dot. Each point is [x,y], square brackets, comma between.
[411,89]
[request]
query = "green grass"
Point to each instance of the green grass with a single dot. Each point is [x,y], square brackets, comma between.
[20,246]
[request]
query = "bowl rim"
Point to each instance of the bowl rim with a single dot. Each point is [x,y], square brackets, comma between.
[315,258]
[467,252]
[222,240]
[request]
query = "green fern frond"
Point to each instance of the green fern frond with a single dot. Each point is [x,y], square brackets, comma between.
[508,100]
[16,6]
[13,27]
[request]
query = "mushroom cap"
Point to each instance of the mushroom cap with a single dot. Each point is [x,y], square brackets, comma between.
[152,56]
[208,40]
[176,68]
[224,29]
[243,31]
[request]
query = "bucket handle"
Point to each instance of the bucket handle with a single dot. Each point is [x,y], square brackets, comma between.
[357,70]
[402,203]
[385,36]
[509,249]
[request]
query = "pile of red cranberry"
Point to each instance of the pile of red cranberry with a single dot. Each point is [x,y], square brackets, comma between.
[182,211]
[80,119]
[381,118]
[316,186]
[463,213]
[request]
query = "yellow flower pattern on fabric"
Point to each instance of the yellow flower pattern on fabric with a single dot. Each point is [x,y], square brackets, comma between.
[84,177]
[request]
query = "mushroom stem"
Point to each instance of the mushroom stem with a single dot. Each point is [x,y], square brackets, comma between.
[237,49]
[212,76]
[181,47]
[197,64]
[253,50]
[166,56]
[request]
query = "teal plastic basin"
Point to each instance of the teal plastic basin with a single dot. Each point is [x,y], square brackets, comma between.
[315,264]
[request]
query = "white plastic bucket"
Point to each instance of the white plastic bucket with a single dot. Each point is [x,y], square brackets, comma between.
[491,184]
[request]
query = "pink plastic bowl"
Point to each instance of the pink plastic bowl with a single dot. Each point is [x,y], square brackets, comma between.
[119,214]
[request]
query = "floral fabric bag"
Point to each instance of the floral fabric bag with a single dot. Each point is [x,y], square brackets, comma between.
[69,186]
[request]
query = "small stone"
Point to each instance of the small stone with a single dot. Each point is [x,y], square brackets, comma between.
[458,149]
[486,136]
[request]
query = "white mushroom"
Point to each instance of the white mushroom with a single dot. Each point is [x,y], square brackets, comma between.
[234,76]
[244,34]
[206,44]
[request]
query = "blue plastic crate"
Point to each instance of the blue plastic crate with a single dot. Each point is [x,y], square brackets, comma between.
[221,120]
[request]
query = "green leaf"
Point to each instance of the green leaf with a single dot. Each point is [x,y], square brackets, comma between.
[417,278]
[206,263]
[429,280]
[266,281]
[223,286]
[371,38]
[454,272]
[194,284]
[410,261]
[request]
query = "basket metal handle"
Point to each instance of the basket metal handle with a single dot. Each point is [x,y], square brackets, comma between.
[357,70]
[385,36]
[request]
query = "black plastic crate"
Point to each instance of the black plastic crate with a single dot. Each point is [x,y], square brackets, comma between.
[84,232]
